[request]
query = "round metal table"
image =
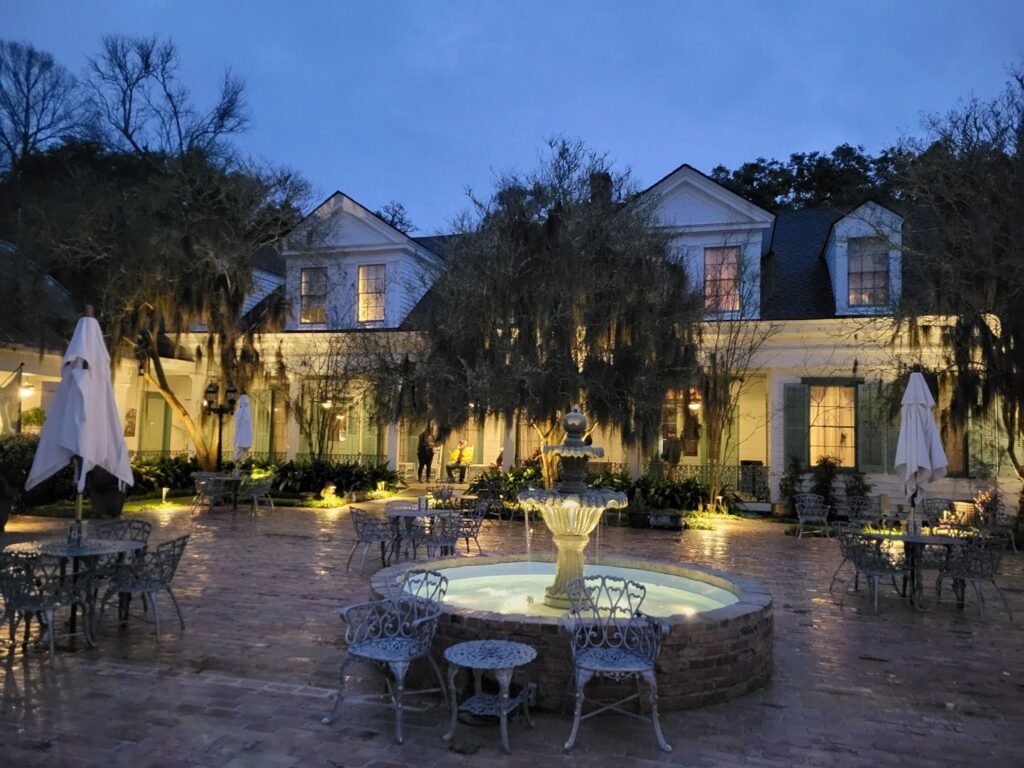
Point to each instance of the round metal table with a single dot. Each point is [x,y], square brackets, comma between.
[500,657]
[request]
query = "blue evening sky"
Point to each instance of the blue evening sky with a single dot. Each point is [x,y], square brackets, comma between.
[416,101]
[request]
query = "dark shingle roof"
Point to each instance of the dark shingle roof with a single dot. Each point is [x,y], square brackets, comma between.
[269,260]
[437,244]
[795,283]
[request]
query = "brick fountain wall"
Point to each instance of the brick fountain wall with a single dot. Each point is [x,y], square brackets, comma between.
[706,658]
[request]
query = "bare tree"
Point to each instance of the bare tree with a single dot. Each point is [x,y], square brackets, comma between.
[728,344]
[142,105]
[39,101]
[395,214]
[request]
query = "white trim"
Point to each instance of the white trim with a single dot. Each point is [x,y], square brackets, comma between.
[688,174]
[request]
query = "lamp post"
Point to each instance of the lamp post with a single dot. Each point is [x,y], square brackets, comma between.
[210,405]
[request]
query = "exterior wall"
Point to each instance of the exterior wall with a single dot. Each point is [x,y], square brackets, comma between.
[689,250]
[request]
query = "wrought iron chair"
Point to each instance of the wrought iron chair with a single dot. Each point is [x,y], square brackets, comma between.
[256,490]
[34,586]
[994,520]
[861,511]
[390,634]
[442,535]
[370,530]
[844,539]
[611,638]
[121,530]
[810,509]
[873,561]
[150,574]
[418,583]
[470,524]
[974,562]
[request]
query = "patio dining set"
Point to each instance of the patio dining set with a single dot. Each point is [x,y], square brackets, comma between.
[607,633]
[432,526]
[961,542]
[222,488]
[114,562]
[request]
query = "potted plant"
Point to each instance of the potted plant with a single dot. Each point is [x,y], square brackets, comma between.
[669,519]
[105,496]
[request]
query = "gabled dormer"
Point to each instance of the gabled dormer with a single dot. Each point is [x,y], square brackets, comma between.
[347,268]
[718,236]
[864,263]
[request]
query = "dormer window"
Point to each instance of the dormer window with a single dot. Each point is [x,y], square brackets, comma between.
[313,292]
[371,293]
[722,279]
[868,259]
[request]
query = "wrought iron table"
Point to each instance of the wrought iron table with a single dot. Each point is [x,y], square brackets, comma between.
[88,549]
[403,518]
[913,546]
[500,657]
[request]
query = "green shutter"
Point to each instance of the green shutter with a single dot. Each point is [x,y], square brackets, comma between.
[872,428]
[987,457]
[796,423]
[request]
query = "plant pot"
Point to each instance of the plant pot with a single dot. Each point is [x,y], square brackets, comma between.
[667,520]
[106,503]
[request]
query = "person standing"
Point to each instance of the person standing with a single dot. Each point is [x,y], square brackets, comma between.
[424,454]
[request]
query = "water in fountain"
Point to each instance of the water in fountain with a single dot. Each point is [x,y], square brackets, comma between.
[572,509]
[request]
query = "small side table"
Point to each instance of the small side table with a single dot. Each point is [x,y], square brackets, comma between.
[500,657]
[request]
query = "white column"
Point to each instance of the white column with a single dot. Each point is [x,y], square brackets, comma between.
[508,445]
[294,433]
[392,446]
[636,464]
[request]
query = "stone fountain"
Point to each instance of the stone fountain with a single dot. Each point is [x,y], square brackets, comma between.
[572,509]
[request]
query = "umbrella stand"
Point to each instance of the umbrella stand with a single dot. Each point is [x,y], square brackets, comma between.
[75,531]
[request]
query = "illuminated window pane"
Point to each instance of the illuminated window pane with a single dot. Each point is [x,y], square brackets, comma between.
[722,279]
[313,292]
[868,259]
[371,293]
[833,422]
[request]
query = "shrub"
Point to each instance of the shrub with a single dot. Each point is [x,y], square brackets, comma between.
[857,485]
[16,454]
[519,478]
[174,472]
[298,477]
[823,479]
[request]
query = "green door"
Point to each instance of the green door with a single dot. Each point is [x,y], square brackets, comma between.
[155,434]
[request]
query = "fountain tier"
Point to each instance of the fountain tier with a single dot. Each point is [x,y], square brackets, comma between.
[573,509]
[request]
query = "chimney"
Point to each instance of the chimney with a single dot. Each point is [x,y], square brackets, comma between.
[601,188]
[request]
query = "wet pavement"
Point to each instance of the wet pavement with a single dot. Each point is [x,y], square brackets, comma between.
[248,680]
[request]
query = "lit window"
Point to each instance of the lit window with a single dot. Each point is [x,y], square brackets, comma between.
[869,272]
[833,421]
[371,293]
[722,279]
[314,295]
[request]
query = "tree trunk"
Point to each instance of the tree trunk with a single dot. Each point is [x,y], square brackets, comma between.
[205,456]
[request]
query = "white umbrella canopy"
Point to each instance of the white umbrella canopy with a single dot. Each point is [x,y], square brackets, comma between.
[242,440]
[82,420]
[919,455]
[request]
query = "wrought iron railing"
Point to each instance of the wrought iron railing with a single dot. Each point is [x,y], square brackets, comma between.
[144,457]
[749,481]
[363,459]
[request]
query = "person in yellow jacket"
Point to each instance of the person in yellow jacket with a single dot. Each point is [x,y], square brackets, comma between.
[459,459]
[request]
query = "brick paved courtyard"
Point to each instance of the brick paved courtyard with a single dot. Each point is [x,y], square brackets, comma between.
[249,679]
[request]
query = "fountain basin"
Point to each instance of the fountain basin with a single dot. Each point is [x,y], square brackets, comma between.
[720,627]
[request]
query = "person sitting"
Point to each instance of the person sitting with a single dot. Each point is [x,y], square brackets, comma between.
[461,458]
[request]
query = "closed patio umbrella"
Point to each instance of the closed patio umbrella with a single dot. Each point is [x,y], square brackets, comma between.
[242,440]
[82,423]
[920,459]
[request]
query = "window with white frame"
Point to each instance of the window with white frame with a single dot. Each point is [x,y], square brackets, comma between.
[868,259]
[833,424]
[313,294]
[371,293]
[722,279]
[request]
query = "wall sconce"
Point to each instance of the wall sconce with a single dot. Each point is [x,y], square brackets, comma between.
[26,390]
